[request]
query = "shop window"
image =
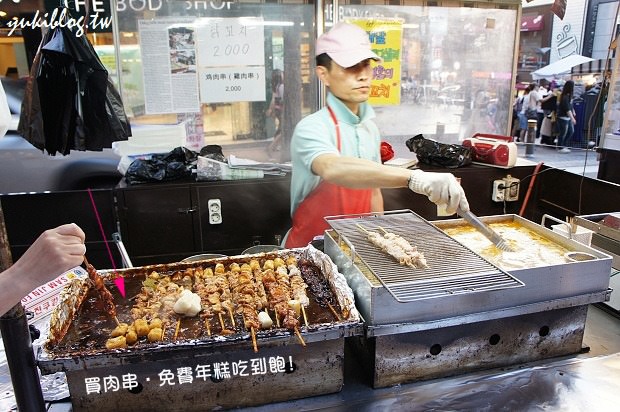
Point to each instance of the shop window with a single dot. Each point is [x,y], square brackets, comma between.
[455,74]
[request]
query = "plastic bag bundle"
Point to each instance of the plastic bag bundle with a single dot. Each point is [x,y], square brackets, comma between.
[439,154]
[70,103]
[162,167]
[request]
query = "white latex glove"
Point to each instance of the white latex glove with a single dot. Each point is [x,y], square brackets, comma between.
[440,188]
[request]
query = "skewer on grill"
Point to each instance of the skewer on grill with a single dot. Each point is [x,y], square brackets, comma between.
[232,319]
[397,247]
[303,312]
[102,292]
[176,330]
[334,311]
[301,339]
[254,344]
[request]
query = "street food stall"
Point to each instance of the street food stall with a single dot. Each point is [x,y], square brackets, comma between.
[237,331]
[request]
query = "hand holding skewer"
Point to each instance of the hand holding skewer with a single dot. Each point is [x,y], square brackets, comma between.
[102,292]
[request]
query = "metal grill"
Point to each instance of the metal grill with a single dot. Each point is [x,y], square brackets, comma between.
[452,268]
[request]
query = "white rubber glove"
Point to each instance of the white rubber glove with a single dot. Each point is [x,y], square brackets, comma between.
[440,188]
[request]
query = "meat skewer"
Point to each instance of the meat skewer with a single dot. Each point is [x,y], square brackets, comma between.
[244,295]
[397,247]
[104,294]
[277,285]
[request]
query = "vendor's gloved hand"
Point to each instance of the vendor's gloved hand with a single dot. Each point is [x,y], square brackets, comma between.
[440,188]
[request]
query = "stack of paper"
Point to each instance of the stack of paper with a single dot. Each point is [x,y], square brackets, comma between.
[268,168]
[402,162]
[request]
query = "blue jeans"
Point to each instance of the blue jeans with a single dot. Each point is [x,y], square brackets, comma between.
[566,130]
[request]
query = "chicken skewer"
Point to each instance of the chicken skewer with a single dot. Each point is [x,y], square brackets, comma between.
[103,293]
[225,293]
[244,295]
[277,285]
[201,290]
[298,287]
[397,247]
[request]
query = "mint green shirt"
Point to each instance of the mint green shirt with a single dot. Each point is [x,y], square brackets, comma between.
[315,135]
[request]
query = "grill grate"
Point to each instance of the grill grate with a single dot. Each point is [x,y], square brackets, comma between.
[452,268]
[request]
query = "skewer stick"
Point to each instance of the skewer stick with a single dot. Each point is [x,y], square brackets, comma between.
[221,320]
[176,330]
[384,231]
[334,311]
[232,319]
[363,229]
[207,321]
[303,312]
[117,322]
[254,344]
[301,339]
[277,319]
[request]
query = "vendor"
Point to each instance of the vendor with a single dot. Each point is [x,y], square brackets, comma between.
[335,151]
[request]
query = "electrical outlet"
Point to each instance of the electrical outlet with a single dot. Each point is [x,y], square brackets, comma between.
[511,191]
[498,194]
[215,211]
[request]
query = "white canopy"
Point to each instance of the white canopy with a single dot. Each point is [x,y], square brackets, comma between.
[560,67]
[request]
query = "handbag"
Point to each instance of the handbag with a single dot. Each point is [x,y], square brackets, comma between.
[531,114]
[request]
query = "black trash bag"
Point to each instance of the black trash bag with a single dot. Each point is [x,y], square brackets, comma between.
[213,151]
[162,167]
[70,102]
[439,154]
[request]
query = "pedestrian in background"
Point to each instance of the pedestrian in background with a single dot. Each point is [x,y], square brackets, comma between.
[541,93]
[528,104]
[549,104]
[566,117]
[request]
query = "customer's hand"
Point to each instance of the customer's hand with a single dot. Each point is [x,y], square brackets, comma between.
[54,252]
[440,188]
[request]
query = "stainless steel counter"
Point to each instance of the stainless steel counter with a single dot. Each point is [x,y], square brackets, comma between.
[587,381]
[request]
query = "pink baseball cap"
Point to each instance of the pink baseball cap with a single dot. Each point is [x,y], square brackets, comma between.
[347,44]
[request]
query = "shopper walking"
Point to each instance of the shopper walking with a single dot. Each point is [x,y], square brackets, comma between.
[335,151]
[276,108]
[527,108]
[566,117]
[541,91]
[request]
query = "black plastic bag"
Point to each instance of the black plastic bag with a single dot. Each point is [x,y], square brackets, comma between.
[439,154]
[70,102]
[162,167]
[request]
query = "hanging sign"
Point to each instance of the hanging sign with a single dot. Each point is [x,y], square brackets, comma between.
[386,41]
[231,59]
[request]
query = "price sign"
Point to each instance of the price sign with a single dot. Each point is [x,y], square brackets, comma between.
[225,42]
[231,59]
[228,84]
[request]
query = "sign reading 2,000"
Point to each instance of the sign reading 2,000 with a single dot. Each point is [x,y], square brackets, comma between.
[233,88]
[231,50]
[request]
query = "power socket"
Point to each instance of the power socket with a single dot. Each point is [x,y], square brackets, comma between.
[499,187]
[511,191]
[215,211]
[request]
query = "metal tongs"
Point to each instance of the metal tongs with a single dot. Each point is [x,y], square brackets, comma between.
[483,228]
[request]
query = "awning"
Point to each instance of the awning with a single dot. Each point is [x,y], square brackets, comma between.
[532,23]
[593,67]
[560,67]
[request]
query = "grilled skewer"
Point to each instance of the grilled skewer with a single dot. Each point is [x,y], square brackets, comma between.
[104,294]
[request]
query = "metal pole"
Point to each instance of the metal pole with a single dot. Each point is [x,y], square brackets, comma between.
[17,342]
[530,138]
[117,46]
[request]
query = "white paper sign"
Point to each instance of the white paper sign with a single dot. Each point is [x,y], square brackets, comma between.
[232,41]
[232,84]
